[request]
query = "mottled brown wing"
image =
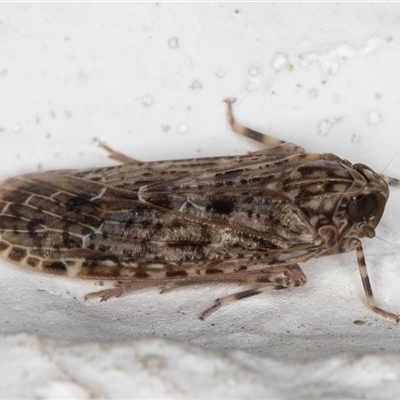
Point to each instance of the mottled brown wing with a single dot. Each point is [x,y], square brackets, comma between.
[61,223]
[195,171]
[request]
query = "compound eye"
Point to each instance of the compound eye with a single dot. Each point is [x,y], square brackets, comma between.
[363,208]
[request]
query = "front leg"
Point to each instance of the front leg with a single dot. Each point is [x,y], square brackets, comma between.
[355,244]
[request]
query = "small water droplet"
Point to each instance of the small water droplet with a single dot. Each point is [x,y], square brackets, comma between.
[324,127]
[254,71]
[313,92]
[355,138]
[279,61]
[17,128]
[173,42]
[196,85]
[374,118]
[251,86]
[220,74]
[147,100]
[183,128]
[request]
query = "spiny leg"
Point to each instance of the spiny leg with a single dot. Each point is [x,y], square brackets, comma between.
[267,280]
[224,301]
[121,288]
[355,243]
[271,278]
[277,146]
[116,155]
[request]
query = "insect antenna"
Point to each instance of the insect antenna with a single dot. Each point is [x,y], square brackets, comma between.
[389,180]
[388,242]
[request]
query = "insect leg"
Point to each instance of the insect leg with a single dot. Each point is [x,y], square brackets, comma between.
[116,155]
[277,146]
[117,291]
[356,244]
[270,281]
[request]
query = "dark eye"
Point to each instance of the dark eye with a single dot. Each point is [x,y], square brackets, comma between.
[363,208]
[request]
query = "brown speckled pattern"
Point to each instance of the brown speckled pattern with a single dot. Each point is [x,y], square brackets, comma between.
[246,219]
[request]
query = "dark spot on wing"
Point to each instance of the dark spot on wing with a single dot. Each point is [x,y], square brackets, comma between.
[222,204]
[228,175]
[15,209]
[34,224]
[71,241]
[162,201]
[141,275]
[57,267]
[17,254]
[213,271]
[3,246]
[175,274]
[76,203]
[32,262]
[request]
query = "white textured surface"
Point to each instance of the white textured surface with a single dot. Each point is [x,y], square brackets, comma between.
[154,368]
[149,79]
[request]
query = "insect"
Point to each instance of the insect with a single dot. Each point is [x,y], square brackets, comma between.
[248,219]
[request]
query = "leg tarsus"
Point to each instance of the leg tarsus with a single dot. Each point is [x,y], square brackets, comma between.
[386,314]
[121,288]
[106,294]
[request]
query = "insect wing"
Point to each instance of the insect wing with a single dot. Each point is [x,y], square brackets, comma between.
[61,223]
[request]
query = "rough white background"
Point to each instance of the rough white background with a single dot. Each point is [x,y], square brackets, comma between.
[149,79]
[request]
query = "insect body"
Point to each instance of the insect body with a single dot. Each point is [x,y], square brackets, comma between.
[246,219]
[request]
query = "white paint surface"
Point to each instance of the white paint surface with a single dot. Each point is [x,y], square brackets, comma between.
[125,73]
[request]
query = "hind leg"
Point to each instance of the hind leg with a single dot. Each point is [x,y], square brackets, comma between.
[266,280]
[262,282]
